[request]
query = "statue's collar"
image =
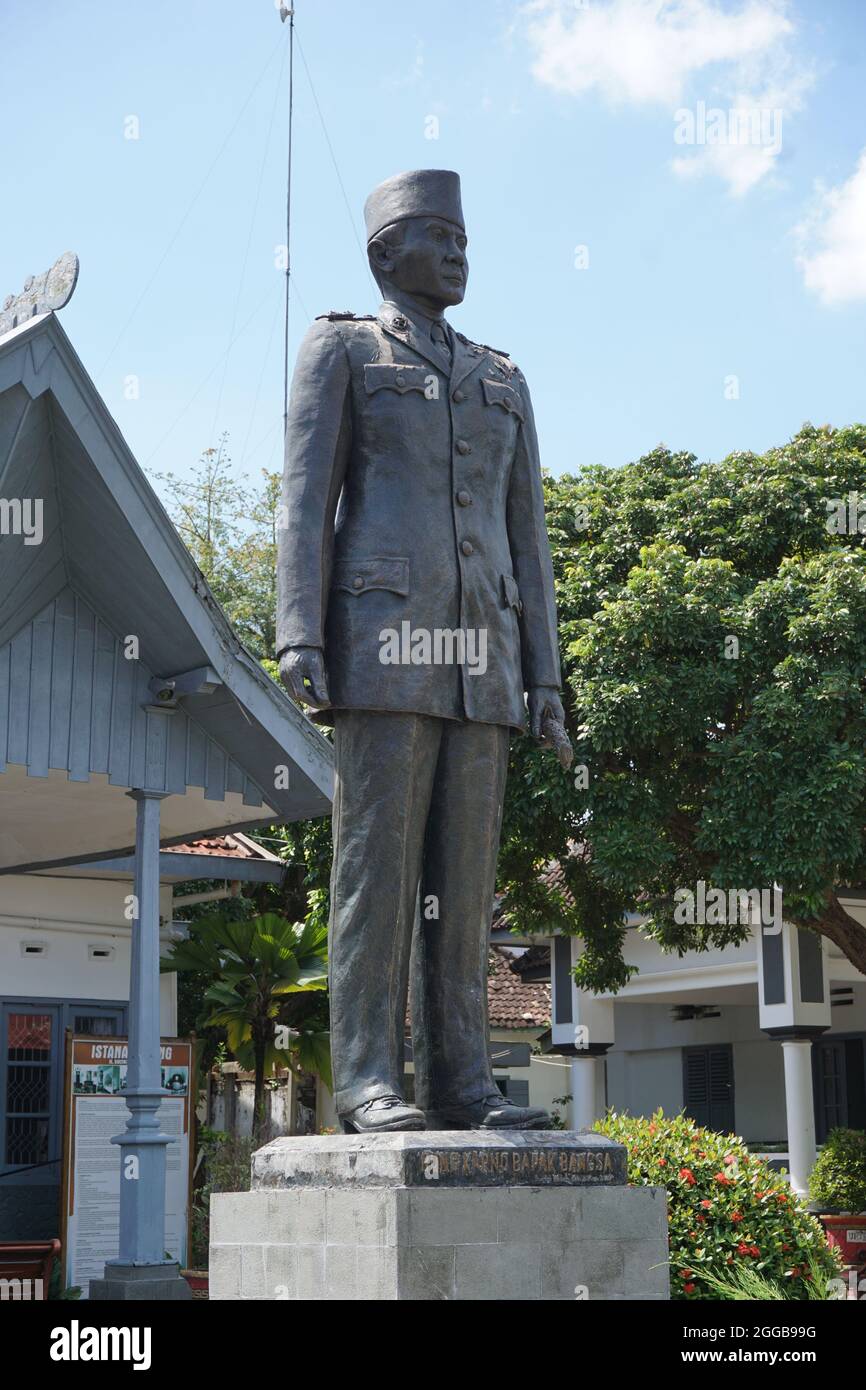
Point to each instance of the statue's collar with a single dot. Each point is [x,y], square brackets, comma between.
[392,310]
[413,327]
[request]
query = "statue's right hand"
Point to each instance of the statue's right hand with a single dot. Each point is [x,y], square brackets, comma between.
[302,671]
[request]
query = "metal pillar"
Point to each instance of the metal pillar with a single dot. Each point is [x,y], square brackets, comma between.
[141,1270]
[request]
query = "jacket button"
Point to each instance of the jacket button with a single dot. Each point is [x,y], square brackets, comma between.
[463,447]
[459,396]
[467,547]
[357,582]
[464,497]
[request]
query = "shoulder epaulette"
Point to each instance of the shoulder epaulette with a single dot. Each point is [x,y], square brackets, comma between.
[343,314]
[484,347]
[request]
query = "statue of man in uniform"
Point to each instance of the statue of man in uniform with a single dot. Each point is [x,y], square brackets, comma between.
[416,608]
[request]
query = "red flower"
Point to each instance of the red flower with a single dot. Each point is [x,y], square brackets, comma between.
[687,1274]
[742,1248]
[720,1177]
[786,1247]
[705,1202]
[753,1250]
[736,1216]
[781,1196]
[688,1176]
[700,1217]
[652,1128]
[663,1163]
[688,1288]
[729,1159]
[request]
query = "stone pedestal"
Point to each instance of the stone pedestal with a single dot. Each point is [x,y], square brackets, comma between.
[470,1215]
[124,1283]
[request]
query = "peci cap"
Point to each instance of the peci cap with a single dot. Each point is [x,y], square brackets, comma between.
[418,193]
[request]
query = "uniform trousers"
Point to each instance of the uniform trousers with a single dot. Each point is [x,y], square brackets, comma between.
[416,822]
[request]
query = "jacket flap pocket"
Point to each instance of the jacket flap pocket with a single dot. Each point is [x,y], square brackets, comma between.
[376,572]
[500,393]
[511,593]
[394,377]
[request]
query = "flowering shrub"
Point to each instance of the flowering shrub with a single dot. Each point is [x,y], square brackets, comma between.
[724,1205]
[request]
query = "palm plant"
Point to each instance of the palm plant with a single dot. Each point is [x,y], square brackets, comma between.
[743,1284]
[254,965]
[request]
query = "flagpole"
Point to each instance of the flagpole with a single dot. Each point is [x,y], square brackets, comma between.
[288,12]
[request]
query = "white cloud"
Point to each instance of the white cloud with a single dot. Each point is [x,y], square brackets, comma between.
[662,52]
[833,241]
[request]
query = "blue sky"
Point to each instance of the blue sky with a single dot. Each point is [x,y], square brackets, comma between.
[724,300]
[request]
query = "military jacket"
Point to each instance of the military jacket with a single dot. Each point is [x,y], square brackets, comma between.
[412,504]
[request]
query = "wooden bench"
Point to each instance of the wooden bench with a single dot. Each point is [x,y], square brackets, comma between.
[25,1268]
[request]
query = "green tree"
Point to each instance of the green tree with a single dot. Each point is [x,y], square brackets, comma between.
[714,657]
[713,627]
[229,525]
[230,529]
[252,965]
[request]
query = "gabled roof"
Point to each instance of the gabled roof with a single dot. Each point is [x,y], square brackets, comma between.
[515,1002]
[235,858]
[110,565]
[227,847]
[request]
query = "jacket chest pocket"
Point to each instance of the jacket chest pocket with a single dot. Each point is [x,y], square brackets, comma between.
[499,393]
[391,376]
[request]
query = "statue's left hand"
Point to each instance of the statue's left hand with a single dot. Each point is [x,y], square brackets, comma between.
[547,721]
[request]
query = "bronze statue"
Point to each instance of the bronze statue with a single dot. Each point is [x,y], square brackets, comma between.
[416,608]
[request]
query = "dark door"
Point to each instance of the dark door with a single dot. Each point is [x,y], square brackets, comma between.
[839,1068]
[708,1086]
[31,1102]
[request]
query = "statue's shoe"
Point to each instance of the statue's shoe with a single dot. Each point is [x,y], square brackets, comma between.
[493,1112]
[381,1115]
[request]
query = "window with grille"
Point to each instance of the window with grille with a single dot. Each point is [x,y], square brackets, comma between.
[28,1087]
[31,1077]
[95,1025]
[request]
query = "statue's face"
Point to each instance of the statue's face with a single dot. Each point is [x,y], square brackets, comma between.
[430,264]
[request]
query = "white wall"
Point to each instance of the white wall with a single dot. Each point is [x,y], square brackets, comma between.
[759,1090]
[68,915]
[549,1078]
[644,1068]
[640,1082]
[643,952]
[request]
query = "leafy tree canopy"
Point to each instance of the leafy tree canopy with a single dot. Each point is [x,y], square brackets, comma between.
[714,656]
[230,529]
[713,630]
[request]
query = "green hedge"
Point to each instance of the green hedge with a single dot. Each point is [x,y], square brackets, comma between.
[838,1180]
